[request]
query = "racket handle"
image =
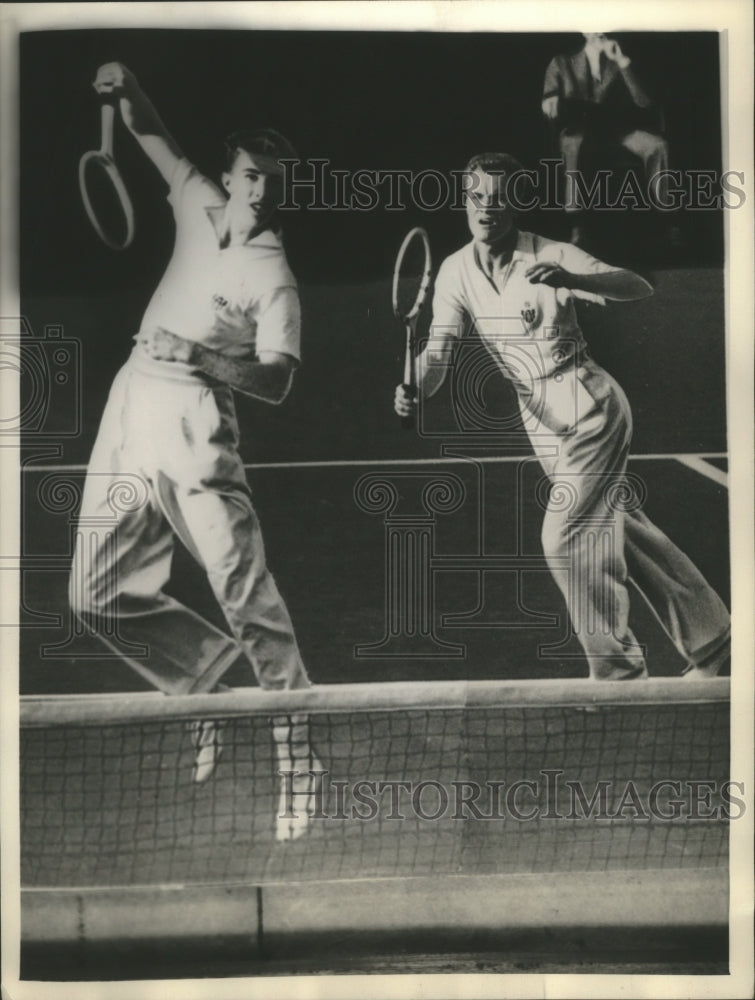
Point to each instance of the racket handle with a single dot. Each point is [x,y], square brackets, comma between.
[108,105]
[407,423]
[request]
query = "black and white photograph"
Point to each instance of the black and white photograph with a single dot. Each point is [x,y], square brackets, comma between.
[376,439]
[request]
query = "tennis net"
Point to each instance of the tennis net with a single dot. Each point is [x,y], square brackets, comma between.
[376,780]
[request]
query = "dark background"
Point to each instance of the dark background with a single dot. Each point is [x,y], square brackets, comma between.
[372,100]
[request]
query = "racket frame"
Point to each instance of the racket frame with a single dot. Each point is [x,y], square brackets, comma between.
[410,318]
[104,158]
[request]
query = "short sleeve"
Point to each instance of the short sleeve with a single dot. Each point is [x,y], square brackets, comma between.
[449,314]
[190,190]
[279,323]
[579,262]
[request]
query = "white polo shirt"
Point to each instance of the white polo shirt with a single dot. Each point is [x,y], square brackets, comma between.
[531,330]
[238,300]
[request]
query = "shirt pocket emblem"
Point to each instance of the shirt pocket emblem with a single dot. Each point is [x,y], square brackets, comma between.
[219,302]
[528,313]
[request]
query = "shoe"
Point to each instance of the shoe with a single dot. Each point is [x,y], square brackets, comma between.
[713,658]
[693,673]
[297,798]
[206,737]
[295,760]
[709,670]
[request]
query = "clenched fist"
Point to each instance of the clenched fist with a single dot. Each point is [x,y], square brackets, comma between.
[114,78]
[405,401]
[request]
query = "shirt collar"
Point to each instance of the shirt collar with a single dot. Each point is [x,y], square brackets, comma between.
[524,249]
[268,239]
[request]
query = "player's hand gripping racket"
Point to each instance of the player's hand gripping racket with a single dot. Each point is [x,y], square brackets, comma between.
[412,274]
[102,160]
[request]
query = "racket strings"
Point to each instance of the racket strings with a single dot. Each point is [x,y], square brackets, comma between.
[411,277]
[112,217]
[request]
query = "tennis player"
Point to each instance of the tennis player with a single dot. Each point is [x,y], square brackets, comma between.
[519,289]
[225,316]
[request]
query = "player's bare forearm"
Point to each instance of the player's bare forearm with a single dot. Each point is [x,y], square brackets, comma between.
[432,364]
[139,116]
[620,285]
[268,378]
[430,367]
[147,127]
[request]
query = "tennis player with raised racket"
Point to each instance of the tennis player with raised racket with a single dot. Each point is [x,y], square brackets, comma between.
[518,289]
[225,316]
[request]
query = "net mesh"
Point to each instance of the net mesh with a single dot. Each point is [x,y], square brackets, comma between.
[485,788]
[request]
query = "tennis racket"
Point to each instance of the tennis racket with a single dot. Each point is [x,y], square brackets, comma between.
[412,274]
[103,159]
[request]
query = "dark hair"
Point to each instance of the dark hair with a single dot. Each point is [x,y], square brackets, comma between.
[495,163]
[265,141]
[507,166]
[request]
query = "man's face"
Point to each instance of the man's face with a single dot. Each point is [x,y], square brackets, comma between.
[595,40]
[254,183]
[489,214]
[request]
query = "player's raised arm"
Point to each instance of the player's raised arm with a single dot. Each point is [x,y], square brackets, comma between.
[140,116]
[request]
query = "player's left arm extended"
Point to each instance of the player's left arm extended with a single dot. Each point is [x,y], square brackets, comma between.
[267,377]
[618,284]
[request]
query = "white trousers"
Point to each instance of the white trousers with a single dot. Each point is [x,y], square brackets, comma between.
[166,464]
[596,538]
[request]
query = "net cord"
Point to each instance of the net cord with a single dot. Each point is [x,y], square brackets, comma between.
[136,707]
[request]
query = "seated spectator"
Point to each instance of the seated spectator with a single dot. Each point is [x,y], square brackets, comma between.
[596,94]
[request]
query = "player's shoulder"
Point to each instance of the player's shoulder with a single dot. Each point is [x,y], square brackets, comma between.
[187,182]
[266,263]
[568,256]
[455,262]
[543,247]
